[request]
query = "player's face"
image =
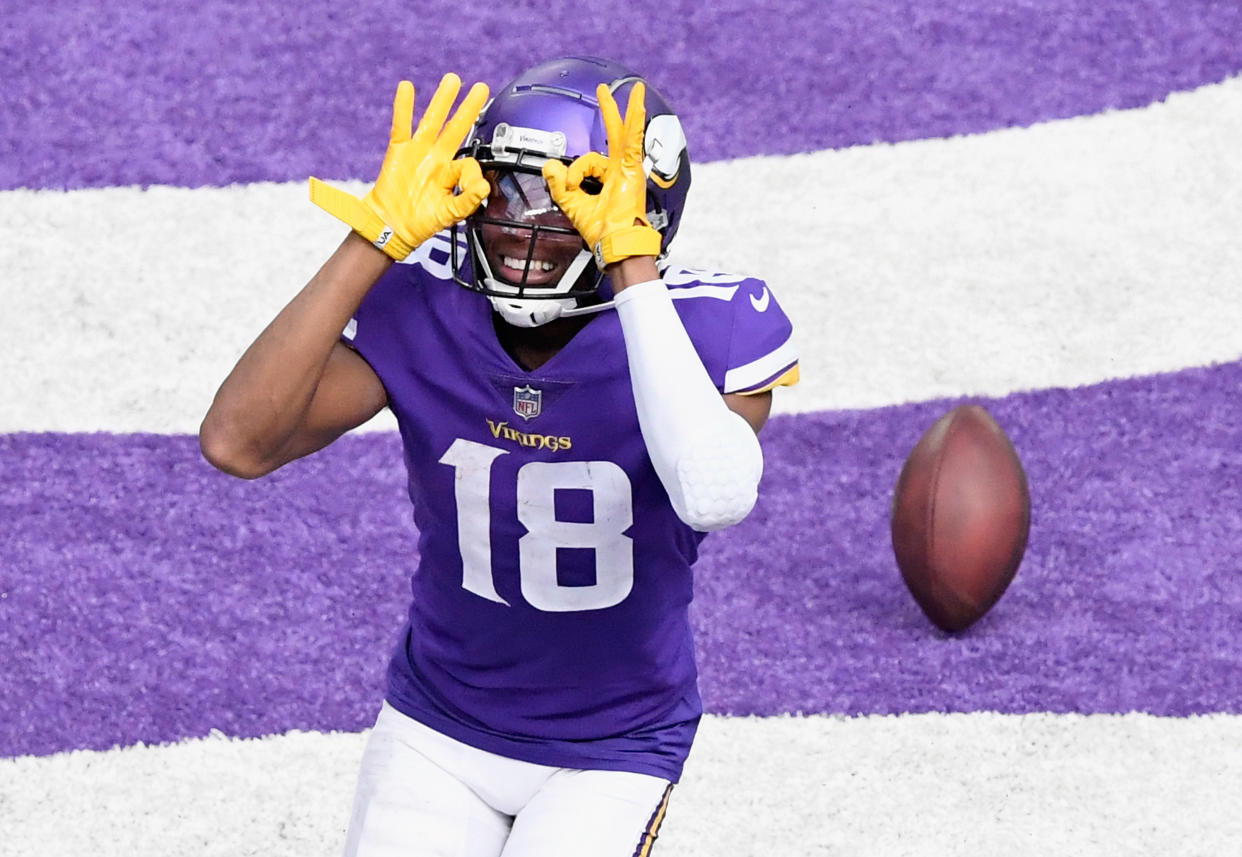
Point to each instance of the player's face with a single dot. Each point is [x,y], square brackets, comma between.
[523,200]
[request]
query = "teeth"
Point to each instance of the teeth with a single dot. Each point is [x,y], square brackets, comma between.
[520,264]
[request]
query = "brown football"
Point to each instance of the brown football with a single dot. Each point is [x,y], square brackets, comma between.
[961,515]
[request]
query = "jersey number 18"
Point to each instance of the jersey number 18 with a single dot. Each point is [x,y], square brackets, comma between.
[537,484]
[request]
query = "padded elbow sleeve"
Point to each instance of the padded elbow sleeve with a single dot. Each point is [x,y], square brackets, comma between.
[718,476]
[706,456]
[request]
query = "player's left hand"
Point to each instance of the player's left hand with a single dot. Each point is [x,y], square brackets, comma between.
[613,222]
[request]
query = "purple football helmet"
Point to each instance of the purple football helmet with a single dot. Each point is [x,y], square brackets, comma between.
[519,248]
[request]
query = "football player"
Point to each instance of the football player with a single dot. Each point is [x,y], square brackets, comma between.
[576,413]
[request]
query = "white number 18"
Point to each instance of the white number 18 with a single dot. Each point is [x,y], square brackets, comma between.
[537,484]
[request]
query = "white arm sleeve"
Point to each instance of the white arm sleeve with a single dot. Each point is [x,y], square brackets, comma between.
[706,455]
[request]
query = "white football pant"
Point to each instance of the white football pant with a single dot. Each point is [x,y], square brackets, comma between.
[423,794]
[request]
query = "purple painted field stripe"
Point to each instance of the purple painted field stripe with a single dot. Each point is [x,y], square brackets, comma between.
[216,92]
[145,597]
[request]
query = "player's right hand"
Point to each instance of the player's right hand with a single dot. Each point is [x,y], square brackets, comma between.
[415,195]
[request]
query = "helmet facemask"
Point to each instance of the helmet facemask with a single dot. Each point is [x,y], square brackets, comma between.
[526,254]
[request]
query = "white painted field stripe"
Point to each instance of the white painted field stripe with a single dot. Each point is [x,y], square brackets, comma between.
[913,785]
[1061,254]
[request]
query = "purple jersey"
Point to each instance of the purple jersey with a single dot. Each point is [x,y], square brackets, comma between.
[549,617]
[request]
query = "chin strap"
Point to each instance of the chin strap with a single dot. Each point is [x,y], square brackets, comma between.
[707,456]
[523,312]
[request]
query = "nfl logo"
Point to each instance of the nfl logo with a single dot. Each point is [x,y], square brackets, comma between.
[527,402]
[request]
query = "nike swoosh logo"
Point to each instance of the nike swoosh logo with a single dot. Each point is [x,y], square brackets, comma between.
[761,303]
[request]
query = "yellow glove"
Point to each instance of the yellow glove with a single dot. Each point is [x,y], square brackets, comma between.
[613,222]
[413,198]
